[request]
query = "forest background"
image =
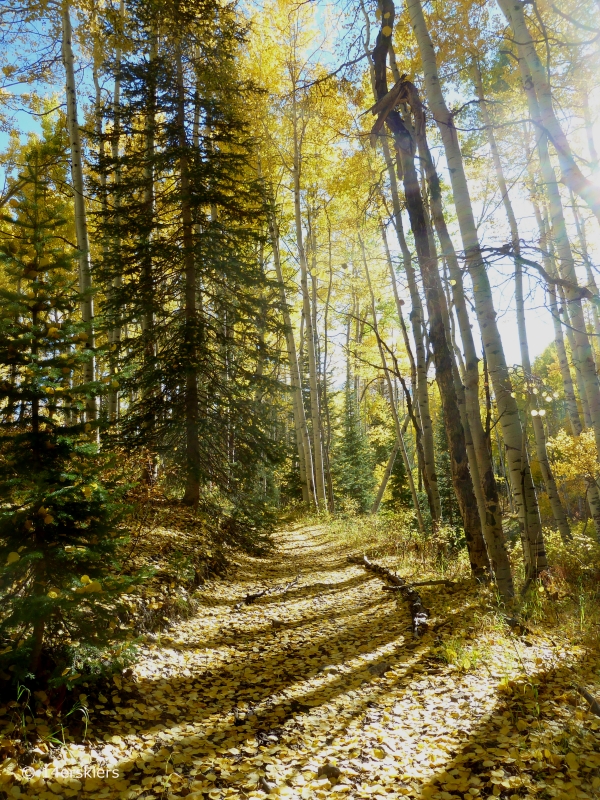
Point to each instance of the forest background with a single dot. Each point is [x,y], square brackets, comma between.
[228,291]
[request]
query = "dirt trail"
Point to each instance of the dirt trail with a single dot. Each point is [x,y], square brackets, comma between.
[323,691]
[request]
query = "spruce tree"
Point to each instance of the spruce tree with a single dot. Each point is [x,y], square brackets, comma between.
[181,272]
[353,461]
[59,583]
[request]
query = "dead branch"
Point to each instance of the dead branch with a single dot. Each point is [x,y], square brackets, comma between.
[418,612]
[594,704]
[420,583]
[252,598]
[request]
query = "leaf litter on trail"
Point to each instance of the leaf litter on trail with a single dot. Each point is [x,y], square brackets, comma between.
[335,699]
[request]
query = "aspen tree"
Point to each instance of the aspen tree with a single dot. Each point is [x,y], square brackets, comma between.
[571,173]
[558,510]
[394,410]
[308,317]
[518,465]
[300,425]
[78,187]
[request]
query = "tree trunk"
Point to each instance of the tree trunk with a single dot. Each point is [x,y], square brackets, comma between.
[546,121]
[81,226]
[385,478]
[300,426]
[191,399]
[310,337]
[418,330]
[558,510]
[482,468]
[582,350]
[397,426]
[426,453]
[520,473]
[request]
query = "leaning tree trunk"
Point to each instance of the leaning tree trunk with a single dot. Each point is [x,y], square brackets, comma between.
[549,125]
[300,425]
[461,477]
[482,467]
[319,468]
[81,226]
[558,510]
[520,472]
[582,350]
[420,385]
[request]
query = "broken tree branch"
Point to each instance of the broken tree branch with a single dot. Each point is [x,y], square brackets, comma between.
[594,704]
[251,598]
[418,612]
[420,583]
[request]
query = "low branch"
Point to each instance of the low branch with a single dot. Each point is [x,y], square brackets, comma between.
[418,612]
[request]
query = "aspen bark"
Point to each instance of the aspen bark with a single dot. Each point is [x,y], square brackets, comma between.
[581,347]
[461,478]
[558,510]
[308,321]
[547,122]
[81,226]
[593,493]
[426,454]
[385,478]
[482,468]
[418,330]
[520,473]
[300,425]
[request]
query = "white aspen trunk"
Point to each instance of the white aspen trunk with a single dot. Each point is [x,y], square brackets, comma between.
[115,333]
[394,410]
[420,388]
[310,337]
[480,462]
[520,473]
[385,478]
[81,226]
[583,357]
[300,426]
[589,132]
[591,281]
[548,124]
[593,493]
[418,329]
[558,510]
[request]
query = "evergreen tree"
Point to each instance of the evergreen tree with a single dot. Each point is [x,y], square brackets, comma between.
[353,461]
[59,581]
[181,272]
[450,509]
[398,488]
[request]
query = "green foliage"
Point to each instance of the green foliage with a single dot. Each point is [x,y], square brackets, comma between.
[60,497]
[353,458]
[398,489]
[195,363]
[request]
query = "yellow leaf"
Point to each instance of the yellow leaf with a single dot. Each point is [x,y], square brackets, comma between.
[378,752]
[85,579]
[386,30]
[571,760]
[12,557]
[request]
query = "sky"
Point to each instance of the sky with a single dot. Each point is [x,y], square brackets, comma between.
[539,322]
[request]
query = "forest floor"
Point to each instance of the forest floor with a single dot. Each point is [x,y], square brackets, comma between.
[321,690]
